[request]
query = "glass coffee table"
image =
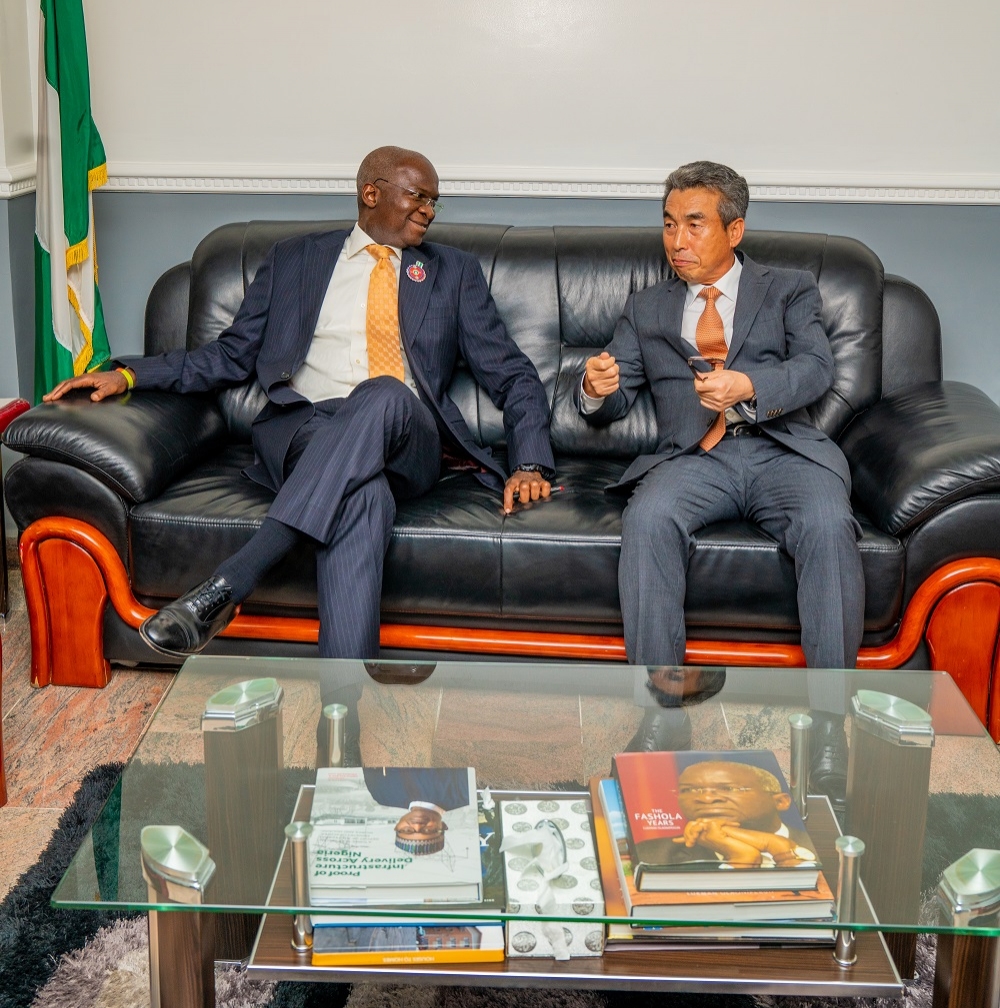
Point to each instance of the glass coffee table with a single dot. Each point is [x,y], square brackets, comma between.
[225,769]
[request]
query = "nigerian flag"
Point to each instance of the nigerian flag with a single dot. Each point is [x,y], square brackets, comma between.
[69,324]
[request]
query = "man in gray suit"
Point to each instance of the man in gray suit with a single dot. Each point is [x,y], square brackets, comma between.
[733,352]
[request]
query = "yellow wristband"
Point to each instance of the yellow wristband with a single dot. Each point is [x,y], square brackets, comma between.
[129,380]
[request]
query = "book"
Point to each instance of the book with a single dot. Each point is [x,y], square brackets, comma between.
[491,906]
[713,821]
[402,835]
[389,945]
[623,899]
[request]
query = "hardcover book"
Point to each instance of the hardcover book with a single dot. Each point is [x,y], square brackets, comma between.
[742,905]
[394,835]
[450,912]
[713,821]
[390,944]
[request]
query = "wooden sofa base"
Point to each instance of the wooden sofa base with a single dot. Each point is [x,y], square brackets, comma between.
[71,571]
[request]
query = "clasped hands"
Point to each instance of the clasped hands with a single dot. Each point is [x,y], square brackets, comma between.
[717,390]
[742,848]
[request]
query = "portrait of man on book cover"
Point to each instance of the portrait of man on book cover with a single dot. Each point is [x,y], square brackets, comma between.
[426,794]
[409,828]
[733,814]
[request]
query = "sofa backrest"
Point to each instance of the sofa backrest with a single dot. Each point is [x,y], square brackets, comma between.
[560,291]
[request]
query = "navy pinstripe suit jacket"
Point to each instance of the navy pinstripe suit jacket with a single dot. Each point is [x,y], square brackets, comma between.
[450,312]
[778,340]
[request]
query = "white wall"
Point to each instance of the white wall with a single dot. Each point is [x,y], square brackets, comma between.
[17,129]
[853,99]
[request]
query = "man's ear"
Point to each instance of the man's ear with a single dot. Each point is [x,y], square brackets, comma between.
[735,231]
[369,194]
[782,801]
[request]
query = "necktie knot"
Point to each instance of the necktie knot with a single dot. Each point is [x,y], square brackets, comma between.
[709,294]
[379,251]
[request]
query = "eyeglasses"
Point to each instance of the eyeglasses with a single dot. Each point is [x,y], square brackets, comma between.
[724,789]
[429,831]
[419,198]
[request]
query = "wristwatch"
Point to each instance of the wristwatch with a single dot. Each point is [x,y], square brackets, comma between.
[536,467]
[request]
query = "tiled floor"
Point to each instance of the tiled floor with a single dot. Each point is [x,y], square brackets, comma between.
[53,736]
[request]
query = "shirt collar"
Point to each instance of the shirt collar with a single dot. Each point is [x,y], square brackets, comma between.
[358,241]
[728,285]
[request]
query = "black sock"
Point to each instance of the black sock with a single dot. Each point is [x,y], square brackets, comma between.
[247,566]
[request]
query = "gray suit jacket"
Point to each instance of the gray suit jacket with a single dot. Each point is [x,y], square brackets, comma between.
[778,341]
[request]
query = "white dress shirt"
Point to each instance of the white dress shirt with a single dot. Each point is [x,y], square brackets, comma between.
[337,361]
[728,286]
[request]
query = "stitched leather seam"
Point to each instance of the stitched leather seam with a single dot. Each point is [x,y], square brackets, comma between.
[941,503]
[46,451]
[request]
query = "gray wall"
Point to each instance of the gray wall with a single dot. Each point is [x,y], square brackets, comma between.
[8,355]
[17,296]
[953,252]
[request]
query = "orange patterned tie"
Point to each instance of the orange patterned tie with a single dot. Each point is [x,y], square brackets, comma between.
[382,318]
[710,335]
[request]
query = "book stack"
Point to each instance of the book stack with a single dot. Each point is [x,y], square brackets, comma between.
[411,840]
[689,837]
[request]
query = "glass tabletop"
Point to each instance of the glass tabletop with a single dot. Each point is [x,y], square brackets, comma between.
[233,765]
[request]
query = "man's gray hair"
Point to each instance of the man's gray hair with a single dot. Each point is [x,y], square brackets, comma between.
[734,193]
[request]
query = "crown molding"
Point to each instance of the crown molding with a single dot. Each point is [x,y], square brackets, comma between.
[970,189]
[16,180]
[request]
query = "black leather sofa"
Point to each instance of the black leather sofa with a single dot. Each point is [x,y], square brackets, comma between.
[147,489]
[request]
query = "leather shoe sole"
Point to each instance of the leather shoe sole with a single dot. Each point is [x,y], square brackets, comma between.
[183,627]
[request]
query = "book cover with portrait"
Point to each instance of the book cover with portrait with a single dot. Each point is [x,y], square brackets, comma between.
[713,820]
[395,835]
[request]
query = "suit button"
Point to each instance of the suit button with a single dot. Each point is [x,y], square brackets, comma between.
[285,376]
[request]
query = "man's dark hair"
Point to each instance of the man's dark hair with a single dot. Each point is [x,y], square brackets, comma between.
[734,193]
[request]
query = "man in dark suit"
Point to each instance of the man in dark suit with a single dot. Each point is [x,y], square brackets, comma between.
[426,794]
[735,439]
[354,337]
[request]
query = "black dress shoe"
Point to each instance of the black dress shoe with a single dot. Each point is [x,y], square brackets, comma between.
[829,754]
[185,626]
[663,729]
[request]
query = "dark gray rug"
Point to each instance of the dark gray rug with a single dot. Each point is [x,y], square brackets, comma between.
[83,959]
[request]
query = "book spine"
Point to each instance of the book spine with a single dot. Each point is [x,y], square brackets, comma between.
[407,958]
[616,902]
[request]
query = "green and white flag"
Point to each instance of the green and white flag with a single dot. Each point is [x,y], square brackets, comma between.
[69,325]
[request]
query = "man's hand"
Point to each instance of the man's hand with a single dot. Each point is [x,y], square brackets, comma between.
[104,383]
[782,849]
[601,376]
[528,486]
[718,390]
[739,847]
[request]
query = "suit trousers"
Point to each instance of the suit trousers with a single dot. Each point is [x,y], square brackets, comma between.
[344,471]
[802,504]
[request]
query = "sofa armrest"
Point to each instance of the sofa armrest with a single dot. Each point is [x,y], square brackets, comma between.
[921,449]
[135,443]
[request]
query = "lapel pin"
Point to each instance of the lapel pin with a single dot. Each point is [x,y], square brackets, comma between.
[416,272]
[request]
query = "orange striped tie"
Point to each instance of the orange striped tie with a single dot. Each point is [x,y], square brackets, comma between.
[710,335]
[382,317]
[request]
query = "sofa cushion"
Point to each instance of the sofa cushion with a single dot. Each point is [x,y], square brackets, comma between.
[455,559]
[444,556]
